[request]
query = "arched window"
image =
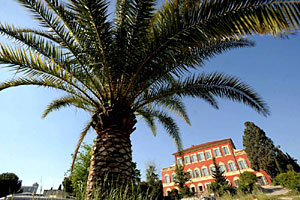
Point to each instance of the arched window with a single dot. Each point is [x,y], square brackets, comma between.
[231,166]
[197,173]
[205,171]
[173,177]
[190,173]
[223,168]
[200,187]
[236,181]
[167,179]
[212,169]
[243,164]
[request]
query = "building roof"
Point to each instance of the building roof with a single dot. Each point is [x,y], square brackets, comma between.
[205,145]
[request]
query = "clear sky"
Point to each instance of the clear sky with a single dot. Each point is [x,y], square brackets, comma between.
[38,150]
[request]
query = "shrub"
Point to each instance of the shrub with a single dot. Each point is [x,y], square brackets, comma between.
[247,182]
[290,180]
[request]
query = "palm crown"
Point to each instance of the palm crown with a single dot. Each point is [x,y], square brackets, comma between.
[139,62]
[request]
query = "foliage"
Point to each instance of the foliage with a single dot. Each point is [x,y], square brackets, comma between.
[151,174]
[9,184]
[220,186]
[67,184]
[79,175]
[290,180]
[153,186]
[136,174]
[263,154]
[181,176]
[141,61]
[247,182]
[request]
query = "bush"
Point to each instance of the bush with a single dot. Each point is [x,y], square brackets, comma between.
[247,182]
[290,180]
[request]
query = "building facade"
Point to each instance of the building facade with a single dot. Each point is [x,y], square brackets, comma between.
[198,162]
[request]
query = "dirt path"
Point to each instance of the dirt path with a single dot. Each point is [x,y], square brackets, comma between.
[274,190]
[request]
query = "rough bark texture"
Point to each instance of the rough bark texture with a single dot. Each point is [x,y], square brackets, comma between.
[112,155]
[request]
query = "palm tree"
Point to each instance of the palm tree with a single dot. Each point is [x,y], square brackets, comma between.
[140,63]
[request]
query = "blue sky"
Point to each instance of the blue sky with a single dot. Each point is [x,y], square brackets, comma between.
[38,150]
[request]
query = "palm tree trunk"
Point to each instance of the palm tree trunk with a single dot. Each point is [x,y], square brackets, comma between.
[112,155]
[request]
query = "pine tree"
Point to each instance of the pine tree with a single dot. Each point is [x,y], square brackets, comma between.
[220,185]
[181,176]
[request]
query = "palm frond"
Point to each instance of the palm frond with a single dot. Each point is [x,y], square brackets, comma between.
[174,104]
[149,119]
[215,84]
[34,42]
[67,101]
[167,122]
[82,136]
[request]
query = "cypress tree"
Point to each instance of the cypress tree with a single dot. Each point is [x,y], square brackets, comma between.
[260,149]
[263,154]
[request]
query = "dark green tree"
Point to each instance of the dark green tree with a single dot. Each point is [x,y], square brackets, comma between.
[247,182]
[138,63]
[9,184]
[151,174]
[67,184]
[181,176]
[263,154]
[136,174]
[155,186]
[260,149]
[220,185]
[293,163]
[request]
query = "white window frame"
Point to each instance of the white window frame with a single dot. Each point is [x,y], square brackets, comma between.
[229,162]
[192,158]
[227,150]
[200,156]
[188,159]
[190,172]
[197,169]
[220,154]
[206,171]
[169,180]
[222,164]
[244,164]
[209,153]
[211,171]
[178,161]
[173,177]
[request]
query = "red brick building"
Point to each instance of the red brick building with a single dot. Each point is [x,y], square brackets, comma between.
[198,163]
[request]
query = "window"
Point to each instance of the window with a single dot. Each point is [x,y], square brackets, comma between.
[205,171]
[223,168]
[207,185]
[207,154]
[194,158]
[200,188]
[186,159]
[217,152]
[231,166]
[225,150]
[190,174]
[197,173]
[201,156]
[212,169]
[179,161]
[167,179]
[173,177]
[243,164]
[193,189]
